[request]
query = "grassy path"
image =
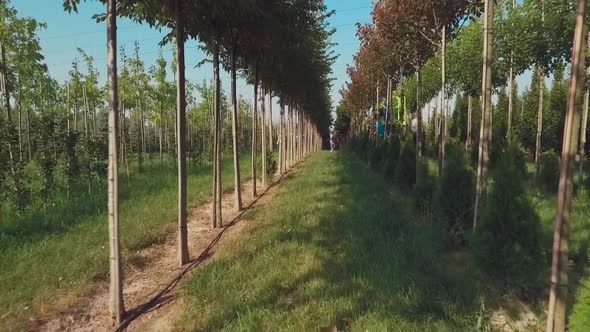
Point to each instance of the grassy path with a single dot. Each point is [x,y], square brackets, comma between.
[331,249]
[45,264]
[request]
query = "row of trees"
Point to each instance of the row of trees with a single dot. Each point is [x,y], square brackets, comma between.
[280,47]
[428,50]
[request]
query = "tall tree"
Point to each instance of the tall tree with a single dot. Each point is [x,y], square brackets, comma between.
[486,118]
[556,313]
[116,299]
[183,255]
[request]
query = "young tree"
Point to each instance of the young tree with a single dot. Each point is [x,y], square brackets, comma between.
[556,313]
[183,255]
[486,118]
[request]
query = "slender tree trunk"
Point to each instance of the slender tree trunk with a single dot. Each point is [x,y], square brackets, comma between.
[419,119]
[469,125]
[511,93]
[556,313]
[255,131]
[539,120]
[182,250]
[583,136]
[161,131]
[20,121]
[85,110]
[281,139]
[510,102]
[270,129]
[142,151]
[443,113]
[485,130]
[388,113]
[117,308]
[263,127]
[237,185]
[5,82]
[29,145]
[218,190]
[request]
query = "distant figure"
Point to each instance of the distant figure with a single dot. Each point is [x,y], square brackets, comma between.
[415,128]
[381,118]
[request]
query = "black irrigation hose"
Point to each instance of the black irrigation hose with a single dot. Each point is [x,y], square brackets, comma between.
[144,308]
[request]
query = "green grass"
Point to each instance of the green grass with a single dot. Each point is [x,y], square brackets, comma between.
[46,256]
[332,248]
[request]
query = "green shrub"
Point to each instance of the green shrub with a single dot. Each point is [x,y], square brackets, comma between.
[377,152]
[271,166]
[405,168]
[391,156]
[507,244]
[424,190]
[453,199]
[580,317]
[548,176]
[519,158]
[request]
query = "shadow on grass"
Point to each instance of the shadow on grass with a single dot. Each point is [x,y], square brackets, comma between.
[332,249]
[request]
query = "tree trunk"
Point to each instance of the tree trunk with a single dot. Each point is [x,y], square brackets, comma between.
[281,139]
[161,131]
[219,190]
[485,130]
[583,136]
[20,121]
[237,185]
[419,118]
[5,85]
[442,142]
[29,145]
[510,97]
[263,127]
[270,145]
[254,131]
[142,134]
[469,118]
[117,308]
[85,110]
[539,121]
[556,313]
[182,253]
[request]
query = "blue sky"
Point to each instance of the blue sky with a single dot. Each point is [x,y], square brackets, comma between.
[66,32]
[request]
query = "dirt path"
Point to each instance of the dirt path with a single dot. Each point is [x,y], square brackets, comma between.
[150,293]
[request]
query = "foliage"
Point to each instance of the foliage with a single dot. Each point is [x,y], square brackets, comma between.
[391,156]
[405,167]
[47,156]
[271,166]
[548,176]
[517,263]
[422,196]
[72,164]
[453,200]
[579,320]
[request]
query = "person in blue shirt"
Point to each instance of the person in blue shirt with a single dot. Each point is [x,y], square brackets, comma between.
[381,118]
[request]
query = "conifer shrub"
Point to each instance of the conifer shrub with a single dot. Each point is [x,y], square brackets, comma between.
[377,152]
[405,168]
[548,177]
[271,166]
[391,156]
[580,317]
[424,190]
[507,247]
[519,159]
[453,199]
